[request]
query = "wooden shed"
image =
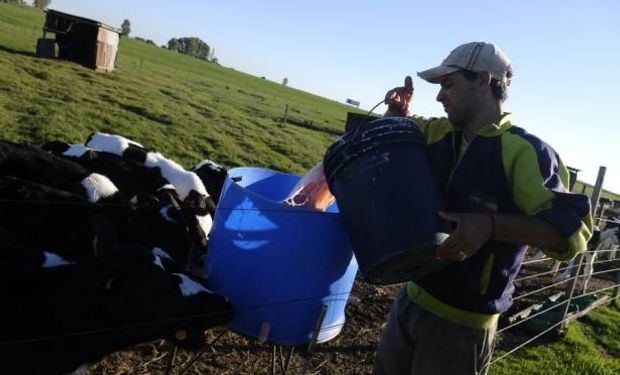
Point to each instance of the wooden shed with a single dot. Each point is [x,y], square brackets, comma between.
[87,42]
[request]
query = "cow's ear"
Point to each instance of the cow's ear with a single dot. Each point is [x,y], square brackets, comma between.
[105,240]
[135,154]
[56,147]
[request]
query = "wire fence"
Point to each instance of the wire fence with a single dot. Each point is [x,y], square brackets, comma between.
[604,281]
[537,279]
[600,281]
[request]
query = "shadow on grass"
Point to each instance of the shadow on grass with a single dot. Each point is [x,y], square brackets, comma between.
[16,52]
[162,119]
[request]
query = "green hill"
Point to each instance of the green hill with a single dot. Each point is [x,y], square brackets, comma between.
[186,108]
[588,189]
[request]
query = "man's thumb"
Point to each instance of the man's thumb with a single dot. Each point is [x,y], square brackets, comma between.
[408,84]
[447,216]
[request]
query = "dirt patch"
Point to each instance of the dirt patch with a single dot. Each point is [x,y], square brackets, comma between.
[351,352]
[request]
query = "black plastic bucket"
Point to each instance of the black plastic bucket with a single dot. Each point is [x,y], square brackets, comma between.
[388,198]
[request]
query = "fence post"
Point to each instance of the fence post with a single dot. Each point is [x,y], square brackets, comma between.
[570,290]
[598,187]
[616,291]
[285,114]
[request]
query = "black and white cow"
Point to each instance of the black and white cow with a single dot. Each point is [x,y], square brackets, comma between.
[188,185]
[39,216]
[36,165]
[59,316]
[148,190]
[129,177]
[603,245]
[213,176]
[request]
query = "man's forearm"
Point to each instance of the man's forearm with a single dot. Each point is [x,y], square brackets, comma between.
[528,230]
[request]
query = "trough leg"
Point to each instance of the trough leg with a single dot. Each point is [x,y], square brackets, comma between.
[315,336]
[209,345]
[172,355]
[287,360]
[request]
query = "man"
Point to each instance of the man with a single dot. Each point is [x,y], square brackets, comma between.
[503,189]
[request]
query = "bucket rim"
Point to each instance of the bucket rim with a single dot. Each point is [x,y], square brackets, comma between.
[407,131]
[276,205]
[334,164]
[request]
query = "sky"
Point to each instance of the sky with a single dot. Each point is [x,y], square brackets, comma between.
[564,88]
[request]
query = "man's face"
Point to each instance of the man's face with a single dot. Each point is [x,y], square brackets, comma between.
[459,98]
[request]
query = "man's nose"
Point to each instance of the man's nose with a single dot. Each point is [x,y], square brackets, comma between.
[440,96]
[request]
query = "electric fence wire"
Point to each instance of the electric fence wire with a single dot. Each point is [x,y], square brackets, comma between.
[562,269]
[172,320]
[303,211]
[549,329]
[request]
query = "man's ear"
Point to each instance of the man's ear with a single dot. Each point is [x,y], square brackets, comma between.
[484,79]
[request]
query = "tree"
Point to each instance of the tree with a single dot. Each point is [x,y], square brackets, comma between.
[173,44]
[285,81]
[126,28]
[18,2]
[41,4]
[191,46]
[212,58]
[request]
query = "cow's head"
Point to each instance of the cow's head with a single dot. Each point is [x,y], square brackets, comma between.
[212,176]
[148,294]
[159,220]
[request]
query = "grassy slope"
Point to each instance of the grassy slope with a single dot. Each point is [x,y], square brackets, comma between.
[590,347]
[191,110]
[183,107]
[582,187]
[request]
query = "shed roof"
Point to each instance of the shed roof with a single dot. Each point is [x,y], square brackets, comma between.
[57,14]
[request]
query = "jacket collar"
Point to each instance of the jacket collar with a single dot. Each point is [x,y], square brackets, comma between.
[505,123]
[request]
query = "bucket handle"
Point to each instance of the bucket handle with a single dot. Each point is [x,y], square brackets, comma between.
[362,122]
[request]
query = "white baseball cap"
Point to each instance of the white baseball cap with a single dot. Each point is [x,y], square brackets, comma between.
[475,56]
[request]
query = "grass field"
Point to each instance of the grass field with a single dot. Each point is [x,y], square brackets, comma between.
[583,187]
[591,346]
[183,107]
[191,110]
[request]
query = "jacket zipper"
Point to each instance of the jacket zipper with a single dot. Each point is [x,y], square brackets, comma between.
[456,156]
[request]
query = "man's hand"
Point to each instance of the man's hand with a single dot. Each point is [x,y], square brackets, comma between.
[398,99]
[472,231]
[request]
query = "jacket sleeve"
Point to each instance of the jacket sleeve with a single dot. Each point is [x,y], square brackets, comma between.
[433,129]
[539,181]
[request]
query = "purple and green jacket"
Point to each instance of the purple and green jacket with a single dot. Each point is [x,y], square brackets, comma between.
[504,170]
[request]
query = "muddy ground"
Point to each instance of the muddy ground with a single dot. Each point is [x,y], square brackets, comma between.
[351,352]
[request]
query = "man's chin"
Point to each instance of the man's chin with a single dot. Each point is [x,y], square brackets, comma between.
[456,123]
